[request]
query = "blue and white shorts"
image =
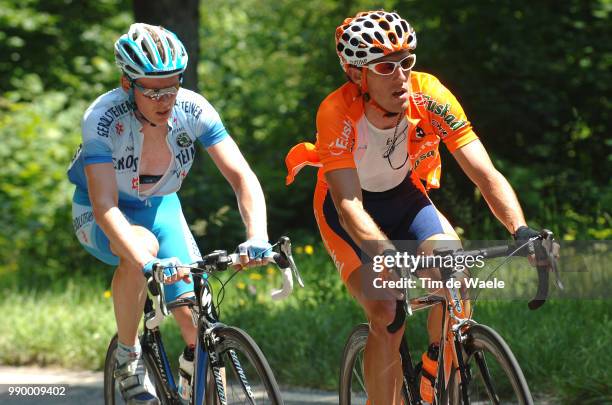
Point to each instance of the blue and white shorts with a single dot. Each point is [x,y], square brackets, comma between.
[162,216]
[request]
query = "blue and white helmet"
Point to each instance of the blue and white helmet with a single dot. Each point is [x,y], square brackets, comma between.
[150,51]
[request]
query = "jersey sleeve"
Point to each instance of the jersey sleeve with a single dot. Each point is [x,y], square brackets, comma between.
[207,125]
[335,137]
[448,118]
[97,145]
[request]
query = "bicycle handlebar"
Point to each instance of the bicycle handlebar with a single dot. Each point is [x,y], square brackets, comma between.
[217,261]
[546,253]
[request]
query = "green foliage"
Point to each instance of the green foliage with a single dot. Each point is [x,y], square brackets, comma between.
[267,65]
[67,45]
[533,77]
[303,336]
[38,139]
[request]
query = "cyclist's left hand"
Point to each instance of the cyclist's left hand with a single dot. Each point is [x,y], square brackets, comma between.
[173,271]
[254,252]
[522,235]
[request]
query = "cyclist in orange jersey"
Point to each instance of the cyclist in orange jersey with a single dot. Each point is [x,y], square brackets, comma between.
[377,143]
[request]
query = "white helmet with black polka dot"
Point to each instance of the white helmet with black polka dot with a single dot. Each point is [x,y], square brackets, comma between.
[371,35]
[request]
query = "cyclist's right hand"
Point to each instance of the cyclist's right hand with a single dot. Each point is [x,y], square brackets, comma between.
[376,279]
[173,271]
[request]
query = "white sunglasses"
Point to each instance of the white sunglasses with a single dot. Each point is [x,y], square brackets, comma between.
[388,67]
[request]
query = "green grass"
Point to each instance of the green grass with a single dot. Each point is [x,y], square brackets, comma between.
[562,348]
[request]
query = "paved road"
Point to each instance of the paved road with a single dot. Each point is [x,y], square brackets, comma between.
[85,387]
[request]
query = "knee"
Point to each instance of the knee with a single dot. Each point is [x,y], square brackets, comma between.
[146,239]
[380,315]
[441,241]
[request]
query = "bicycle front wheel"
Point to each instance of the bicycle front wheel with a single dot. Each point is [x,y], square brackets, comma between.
[352,390]
[495,376]
[245,377]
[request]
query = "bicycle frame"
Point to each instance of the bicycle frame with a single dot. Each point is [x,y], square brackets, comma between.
[450,354]
[151,341]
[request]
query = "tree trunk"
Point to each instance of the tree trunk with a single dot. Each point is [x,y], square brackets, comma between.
[181,17]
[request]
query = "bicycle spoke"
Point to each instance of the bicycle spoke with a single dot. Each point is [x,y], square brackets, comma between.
[359,373]
[496,377]
[245,380]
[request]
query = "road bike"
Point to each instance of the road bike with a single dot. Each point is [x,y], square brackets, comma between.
[476,365]
[229,367]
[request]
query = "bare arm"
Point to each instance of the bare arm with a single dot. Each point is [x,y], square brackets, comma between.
[346,193]
[251,201]
[103,194]
[497,192]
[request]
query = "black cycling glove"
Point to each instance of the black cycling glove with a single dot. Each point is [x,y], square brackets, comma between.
[523,234]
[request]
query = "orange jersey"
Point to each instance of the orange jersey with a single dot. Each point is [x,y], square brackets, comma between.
[434,114]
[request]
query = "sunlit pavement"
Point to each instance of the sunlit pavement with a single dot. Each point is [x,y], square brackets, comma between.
[85,387]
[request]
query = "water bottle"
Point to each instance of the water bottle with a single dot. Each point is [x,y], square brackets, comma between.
[185,374]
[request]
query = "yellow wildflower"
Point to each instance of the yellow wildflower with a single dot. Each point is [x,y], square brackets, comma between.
[107,294]
[240,285]
[270,270]
[308,249]
[255,276]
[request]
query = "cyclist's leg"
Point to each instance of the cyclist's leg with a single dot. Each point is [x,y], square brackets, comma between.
[176,240]
[382,364]
[128,298]
[129,290]
[383,373]
[128,284]
[433,231]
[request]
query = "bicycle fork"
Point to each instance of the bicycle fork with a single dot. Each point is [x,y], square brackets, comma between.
[208,352]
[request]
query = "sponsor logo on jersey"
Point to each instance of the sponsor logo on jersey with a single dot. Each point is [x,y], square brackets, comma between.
[337,262]
[119,128]
[343,142]
[81,220]
[441,132]
[189,107]
[183,140]
[106,120]
[436,108]
[185,156]
[129,162]
[420,133]
[424,156]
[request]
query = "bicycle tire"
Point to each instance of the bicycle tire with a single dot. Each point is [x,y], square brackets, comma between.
[507,380]
[352,389]
[249,375]
[112,395]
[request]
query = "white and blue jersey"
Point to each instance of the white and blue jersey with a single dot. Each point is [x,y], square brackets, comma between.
[112,134]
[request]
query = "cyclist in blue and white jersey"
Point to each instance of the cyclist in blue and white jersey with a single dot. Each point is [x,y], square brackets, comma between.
[138,146]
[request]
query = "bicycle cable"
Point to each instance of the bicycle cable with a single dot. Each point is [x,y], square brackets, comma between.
[506,259]
[221,295]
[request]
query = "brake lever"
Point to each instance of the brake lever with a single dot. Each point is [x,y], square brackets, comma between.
[552,251]
[284,244]
[405,273]
[158,276]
